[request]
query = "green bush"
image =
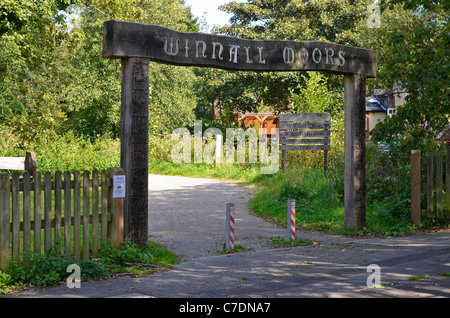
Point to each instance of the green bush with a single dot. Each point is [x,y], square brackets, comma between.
[41,269]
[51,267]
[66,152]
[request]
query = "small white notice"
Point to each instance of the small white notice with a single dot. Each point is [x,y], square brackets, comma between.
[119,186]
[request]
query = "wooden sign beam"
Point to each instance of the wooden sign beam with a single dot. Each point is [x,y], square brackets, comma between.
[128,39]
[137,44]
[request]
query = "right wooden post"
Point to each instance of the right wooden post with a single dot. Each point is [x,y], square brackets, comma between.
[355,152]
[415,187]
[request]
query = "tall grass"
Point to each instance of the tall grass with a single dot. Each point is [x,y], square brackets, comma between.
[316,206]
[66,152]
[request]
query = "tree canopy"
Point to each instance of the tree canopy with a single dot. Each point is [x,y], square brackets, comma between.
[53,78]
[414,56]
[322,20]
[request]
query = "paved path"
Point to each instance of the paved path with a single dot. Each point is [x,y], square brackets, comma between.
[188,216]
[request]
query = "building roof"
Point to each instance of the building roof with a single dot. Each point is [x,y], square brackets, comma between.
[374,105]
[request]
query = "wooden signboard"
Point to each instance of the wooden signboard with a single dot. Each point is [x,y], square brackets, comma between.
[305,131]
[137,44]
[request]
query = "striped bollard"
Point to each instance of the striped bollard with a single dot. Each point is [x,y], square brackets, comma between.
[229,242]
[290,220]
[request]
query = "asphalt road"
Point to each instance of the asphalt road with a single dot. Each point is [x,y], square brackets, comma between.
[188,216]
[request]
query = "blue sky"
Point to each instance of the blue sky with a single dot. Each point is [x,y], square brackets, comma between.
[213,15]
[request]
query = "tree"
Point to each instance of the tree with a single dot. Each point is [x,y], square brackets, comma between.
[418,62]
[30,34]
[324,20]
[93,96]
[315,97]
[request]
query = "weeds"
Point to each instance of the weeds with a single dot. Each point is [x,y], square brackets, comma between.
[51,267]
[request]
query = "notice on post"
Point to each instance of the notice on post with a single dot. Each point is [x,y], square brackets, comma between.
[119,186]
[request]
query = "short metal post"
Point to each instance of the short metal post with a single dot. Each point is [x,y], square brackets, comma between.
[229,242]
[290,235]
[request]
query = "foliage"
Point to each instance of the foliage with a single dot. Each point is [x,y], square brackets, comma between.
[41,269]
[51,267]
[93,99]
[67,152]
[28,105]
[335,21]
[415,55]
[322,20]
[313,195]
[314,96]
[54,80]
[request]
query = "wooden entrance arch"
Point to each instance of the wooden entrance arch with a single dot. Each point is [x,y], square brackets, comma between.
[137,44]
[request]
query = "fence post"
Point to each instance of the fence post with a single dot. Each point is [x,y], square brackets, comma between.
[115,206]
[439,184]
[430,182]
[290,234]
[229,227]
[447,179]
[415,187]
[219,144]
[4,220]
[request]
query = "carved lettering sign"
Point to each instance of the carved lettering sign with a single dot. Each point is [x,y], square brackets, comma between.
[128,39]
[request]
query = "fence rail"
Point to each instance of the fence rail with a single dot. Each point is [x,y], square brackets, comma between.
[436,185]
[75,210]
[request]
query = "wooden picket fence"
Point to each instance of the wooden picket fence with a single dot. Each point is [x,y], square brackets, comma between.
[436,175]
[76,210]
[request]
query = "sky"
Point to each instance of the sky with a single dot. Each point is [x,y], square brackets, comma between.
[213,15]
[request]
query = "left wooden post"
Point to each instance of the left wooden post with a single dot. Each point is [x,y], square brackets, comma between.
[134,147]
[4,220]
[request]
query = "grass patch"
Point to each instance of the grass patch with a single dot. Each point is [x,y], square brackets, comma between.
[316,207]
[416,277]
[237,249]
[240,173]
[281,242]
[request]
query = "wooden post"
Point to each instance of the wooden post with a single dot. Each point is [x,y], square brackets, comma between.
[430,183]
[76,214]
[354,152]
[85,217]
[95,214]
[67,212]
[26,213]
[15,216]
[116,207]
[134,147]
[37,211]
[439,185]
[447,180]
[47,210]
[415,187]
[4,220]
